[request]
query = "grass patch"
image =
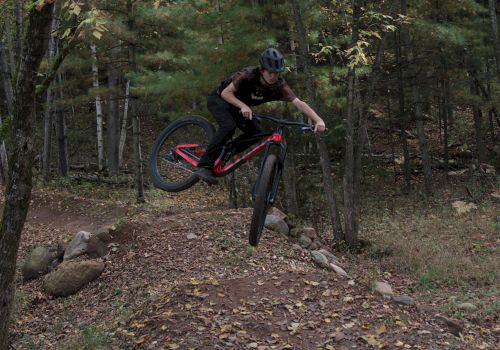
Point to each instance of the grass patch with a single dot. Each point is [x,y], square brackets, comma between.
[21,300]
[90,338]
[436,245]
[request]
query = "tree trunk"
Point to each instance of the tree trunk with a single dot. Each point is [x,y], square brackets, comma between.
[19,30]
[322,149]
[233,191]
[18,192]
[136,125]
[113,125]
[4,163]
[417,103]
[349,195]
[445,116]
[9,97]
[478,125]
[403,114]
[123,132]
[62,143]
[48,120]
[98,109]
[494,34]
[10,44]
[292,204]
[6,80]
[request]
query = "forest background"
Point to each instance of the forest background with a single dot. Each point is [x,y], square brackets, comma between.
[408,90]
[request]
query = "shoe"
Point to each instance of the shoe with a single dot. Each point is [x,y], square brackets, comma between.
[206,175]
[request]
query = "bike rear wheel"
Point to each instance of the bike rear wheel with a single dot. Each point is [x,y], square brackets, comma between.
[262,194]
[168,170]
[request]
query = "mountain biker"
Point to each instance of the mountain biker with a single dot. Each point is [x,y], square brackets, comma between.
[230,105]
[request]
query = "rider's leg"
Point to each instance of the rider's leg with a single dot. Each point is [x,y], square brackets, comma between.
[223,114]
[250,129]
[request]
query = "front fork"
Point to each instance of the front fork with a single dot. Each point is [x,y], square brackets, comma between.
[277,177]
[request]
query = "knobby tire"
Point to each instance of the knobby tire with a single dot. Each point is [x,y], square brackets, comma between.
[261,204]
[182,126]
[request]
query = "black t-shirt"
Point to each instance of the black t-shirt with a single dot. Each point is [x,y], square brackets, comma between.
[252,92]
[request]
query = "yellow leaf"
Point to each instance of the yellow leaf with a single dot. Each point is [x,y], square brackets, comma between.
[371,339]
[327,320]
[97,34]
[399,344]
[381,329]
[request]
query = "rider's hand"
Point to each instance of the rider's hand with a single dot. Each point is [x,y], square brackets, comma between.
[246,112]
[319,126]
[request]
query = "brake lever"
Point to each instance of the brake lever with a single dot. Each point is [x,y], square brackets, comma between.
[308,128]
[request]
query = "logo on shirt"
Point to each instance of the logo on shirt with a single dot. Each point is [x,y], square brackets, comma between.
[256,96]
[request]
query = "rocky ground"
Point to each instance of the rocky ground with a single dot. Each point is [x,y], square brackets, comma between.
[182,276]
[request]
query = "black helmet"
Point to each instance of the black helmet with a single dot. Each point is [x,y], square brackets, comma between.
[272,60]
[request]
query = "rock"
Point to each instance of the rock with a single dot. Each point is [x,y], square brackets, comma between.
[71,276]
[304,241]
[294,232]
[467,307]
[104,235]
[309,232]
[191,236]
[383,288]
[403,300]
[338,270]
[276,212]
[96,247]
[332,258]
[454,326]
[315,245]
[297,247]
[37,263]
[320,259]
[276,224]
[78,245]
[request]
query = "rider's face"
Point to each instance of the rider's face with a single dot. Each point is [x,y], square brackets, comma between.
[269,77]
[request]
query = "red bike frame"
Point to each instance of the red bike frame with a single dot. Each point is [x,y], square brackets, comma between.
[187,151]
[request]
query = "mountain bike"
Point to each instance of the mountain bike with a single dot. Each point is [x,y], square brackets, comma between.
[178,149]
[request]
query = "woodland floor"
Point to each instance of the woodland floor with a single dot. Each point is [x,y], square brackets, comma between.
[163,290]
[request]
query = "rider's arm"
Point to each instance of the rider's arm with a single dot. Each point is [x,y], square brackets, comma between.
[319,124]
[228,95]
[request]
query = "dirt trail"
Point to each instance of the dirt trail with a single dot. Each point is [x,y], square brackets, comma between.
[190,281]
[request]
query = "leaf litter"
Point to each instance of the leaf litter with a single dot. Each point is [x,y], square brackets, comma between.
[162,290]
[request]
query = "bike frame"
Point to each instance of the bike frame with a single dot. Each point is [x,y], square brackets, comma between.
[192,152]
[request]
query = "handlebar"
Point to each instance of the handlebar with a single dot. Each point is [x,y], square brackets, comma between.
[303,126]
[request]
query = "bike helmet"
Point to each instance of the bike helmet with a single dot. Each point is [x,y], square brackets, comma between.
[272,60]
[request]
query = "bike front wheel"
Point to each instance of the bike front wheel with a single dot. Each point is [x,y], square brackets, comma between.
[262,199]
[171,171]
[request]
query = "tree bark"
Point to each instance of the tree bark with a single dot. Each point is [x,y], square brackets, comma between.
[292,204]
[322,149]
[10,44]
[98,109]
[6,80]
[478,125]
[18,192]
[48,119]
[113,125]
[136,125]
[494,34]
[9,97]
[123,132]
[403,114]
[418,114]
[62,141]
[19,30]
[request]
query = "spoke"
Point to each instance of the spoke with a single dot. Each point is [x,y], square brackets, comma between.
[177,165]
